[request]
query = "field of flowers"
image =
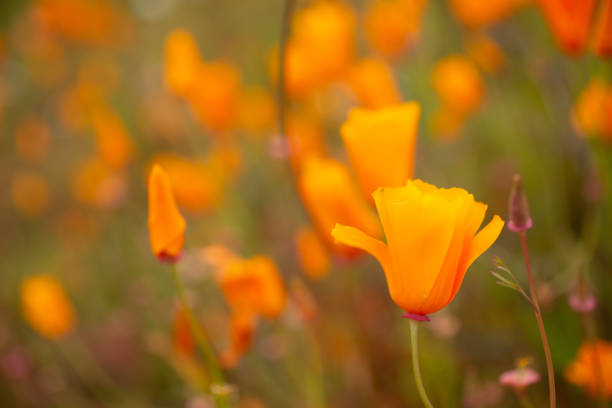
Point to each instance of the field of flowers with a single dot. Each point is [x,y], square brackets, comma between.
[306,203]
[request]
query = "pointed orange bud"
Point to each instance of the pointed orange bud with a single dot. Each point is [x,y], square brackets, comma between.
[166,224]
[569,21]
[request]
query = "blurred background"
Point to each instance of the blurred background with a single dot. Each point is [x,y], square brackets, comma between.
[92,92]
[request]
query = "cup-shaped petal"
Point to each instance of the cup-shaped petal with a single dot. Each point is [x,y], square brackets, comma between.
[166,224]
[432,239]
[603,30]
[381,143]
[569,21]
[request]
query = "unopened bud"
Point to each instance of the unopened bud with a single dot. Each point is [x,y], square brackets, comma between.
[520,220]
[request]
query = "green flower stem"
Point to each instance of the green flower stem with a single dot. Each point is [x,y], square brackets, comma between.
[216,375]
[538,314]
[414,328]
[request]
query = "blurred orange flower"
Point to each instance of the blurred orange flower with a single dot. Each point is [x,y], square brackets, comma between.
[446,124]
[95,22]
[381,144]
[327,29]
[330,197]
[312,253]
[182,61]
[182,339]
[431,242]
[197,185]
[114,144]
[257,110]
[603,30]
[166,224]
[304,138]
[592,113]
[478,13]
[252,287]
[374,84]
[583,370]
[393,25]
[96,184]
[32,139]
[30,193]
[569,21]
[486,53]
[458,84]
[46,307]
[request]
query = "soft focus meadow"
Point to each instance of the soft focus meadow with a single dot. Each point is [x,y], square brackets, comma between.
[187,222]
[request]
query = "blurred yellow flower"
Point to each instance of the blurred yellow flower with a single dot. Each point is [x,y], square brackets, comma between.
[569,21]
[330,197]
[393,25]
[603,30]
[592,113]
[32,139]
[431,242]
[374,84]
[30,193]
[381,144]
[46,307]
[583,370]
[486,53]
[458,84]
[478,13]
[115,146]
[312,253]
[166,224]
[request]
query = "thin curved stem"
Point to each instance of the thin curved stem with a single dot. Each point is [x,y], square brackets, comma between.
[414,328]
[215,372]
[538,315]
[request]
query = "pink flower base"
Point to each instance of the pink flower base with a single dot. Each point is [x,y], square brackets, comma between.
[417,317]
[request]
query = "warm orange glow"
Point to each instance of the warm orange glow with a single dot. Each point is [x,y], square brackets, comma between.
[569,21]
[330,197]
[374,84]
[30,193]
[583,371]
[115,146]
[312,253]
[96,184]
[458,84]
[46,307]
[603,30]
[478,13]
[431,242]
[32,139]
[487,54]
[592,113]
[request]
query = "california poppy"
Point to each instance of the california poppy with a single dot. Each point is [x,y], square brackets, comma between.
[583,370]
[431,242]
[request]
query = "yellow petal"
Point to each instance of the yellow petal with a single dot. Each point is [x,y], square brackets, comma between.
[353,237]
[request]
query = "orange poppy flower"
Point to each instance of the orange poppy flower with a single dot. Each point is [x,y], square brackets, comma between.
[603,30]
[46,307]
[569,21]
[458,84]
[393,25]
[241,337]
[312,254]
[182,339]
[166,224]
[330,197]
[592,112]
[583,370]
[114,144]
[181,61]
[381,144]
[431,242]
[373,83]
[477,13]
[304,138]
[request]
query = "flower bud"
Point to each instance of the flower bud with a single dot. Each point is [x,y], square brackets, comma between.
[520,220]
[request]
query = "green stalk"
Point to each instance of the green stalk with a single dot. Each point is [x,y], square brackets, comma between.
[215,372]
[414,328]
